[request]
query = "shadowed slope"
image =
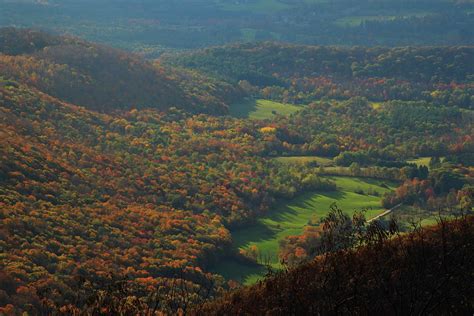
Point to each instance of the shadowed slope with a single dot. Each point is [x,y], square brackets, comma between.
[428,271]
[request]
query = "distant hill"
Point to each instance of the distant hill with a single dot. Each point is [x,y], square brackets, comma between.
[272,62]
[426,272]
[17,42]
[100,77]
[301,74]
[153,26]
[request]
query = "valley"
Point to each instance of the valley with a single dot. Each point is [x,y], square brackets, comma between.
[160,182]
[288,218]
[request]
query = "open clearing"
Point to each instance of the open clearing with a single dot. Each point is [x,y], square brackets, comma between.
[352,21]
[322,161]
[423,161]
[258,6]
[262,109]
[376,105]
[407,216]
[261,6]
[290,217]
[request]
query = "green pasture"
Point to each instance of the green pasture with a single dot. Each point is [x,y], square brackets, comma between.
[290,217]
[422,161]
[352,21]
[257,6]
[407,216]
[248,34]
[262,6]
[262,109]
[376,105]
[322,161]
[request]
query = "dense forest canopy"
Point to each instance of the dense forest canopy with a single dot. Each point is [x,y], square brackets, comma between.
[151,26]
[438,64]
[304,74]
[103,78]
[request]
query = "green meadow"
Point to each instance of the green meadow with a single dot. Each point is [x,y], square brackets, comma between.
[376,105]
[422,161]
[258,6]
[322,161]
[248,34]
[408,215]
[262,109]
[262,6]
[357,20]
[352,21]
[290,217]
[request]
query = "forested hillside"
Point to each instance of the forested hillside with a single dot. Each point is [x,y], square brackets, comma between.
[302,74]
[102,78]
[124,182]
[428,271]
[143,194]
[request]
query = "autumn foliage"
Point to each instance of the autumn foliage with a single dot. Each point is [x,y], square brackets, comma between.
[125,176]
[427,271]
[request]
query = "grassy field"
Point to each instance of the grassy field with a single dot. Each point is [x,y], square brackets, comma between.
[248,34]
[408,215]
[262,6]
[244,273]
[289,218]
[422,161]
[322,161]
[376,105]
[351,21]
[262,109]
[258,6]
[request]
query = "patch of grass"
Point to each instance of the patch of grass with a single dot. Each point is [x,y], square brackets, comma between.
[290,217]
[422,161]
[262,6]
[352,21]
[239,271]
[256,6]
[248,34]
[262,109]
[376,105]
[429,221]
[354,184]
[315,1]
[322,161]
[407,215]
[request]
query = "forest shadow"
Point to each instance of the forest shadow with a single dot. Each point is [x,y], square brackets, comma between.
[255,232]
[379,182]
[233,269]
[285,209]
[243,109]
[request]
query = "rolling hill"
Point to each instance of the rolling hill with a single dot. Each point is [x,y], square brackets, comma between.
[153,26]
[102,78]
